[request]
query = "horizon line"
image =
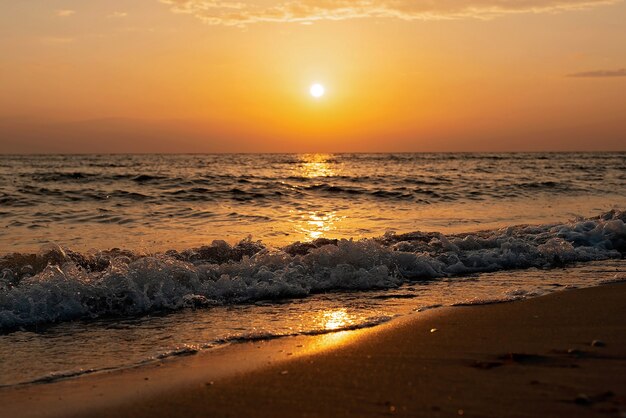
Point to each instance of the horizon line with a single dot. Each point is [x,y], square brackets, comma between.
[316,152]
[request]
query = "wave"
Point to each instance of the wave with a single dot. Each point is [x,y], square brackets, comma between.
[192,349]
[58,284]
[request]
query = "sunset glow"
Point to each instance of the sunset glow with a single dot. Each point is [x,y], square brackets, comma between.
[268,207]
[186,76]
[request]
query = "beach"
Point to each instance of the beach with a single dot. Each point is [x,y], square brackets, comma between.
[300,208]
[563,354]
[115,262]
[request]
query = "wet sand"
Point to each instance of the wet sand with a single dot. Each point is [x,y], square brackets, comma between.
[559,355]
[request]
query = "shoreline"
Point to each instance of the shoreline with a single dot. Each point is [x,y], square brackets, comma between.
[524,358]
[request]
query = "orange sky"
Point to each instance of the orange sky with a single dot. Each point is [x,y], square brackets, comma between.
[400,75]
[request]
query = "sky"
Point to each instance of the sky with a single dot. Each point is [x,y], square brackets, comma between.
[229,76]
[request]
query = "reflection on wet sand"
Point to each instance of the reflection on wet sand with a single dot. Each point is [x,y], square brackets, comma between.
[332,320]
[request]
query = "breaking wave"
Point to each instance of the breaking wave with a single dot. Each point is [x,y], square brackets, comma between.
[58,284]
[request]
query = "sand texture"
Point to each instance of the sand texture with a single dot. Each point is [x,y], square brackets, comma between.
[561,355]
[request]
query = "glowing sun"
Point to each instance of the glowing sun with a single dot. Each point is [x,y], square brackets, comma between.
[317,90]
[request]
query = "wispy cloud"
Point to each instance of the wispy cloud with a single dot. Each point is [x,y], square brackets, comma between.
[234,13]
[117,15]
[65,13]
[600,73]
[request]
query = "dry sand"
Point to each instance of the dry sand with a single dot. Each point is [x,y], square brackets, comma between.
[532,358]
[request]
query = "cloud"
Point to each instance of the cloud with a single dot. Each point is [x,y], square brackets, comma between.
[65,13]
[117,15]
[234,13]
[600,73]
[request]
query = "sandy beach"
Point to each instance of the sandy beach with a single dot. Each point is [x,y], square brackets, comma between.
[563,354]
[302,208]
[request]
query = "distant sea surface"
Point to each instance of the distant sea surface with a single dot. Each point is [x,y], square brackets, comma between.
[114,261]
[161,202]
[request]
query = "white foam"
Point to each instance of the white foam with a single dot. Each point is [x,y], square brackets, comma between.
[126,283]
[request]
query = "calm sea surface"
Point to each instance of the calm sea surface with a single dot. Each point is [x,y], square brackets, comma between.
[109,262]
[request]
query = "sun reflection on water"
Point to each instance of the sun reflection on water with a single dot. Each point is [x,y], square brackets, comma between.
[316,225]
[310,223]
[316,165]
[336,319]
[332,320]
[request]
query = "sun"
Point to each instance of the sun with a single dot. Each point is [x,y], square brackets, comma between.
[317,90]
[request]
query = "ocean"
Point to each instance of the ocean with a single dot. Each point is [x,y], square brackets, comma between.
[114,261]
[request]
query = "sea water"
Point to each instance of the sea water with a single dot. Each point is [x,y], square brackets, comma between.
[114,261]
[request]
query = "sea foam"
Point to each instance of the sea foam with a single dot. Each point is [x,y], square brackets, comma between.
[58,284]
